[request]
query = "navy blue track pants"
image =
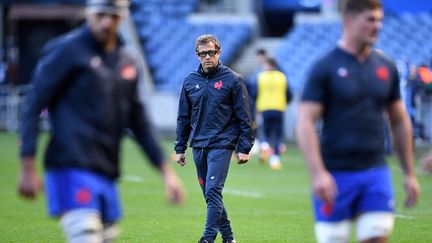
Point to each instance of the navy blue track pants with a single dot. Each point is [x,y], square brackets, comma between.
[212,168]
[273,128]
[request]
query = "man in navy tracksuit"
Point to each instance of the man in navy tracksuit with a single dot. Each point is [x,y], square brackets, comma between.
[214,114]
[89,84]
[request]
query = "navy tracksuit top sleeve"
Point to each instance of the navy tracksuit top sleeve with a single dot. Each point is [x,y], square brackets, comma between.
[50,78]
[243,115]
[142,130]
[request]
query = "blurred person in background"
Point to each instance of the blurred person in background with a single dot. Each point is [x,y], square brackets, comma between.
[251,86]
[273,95]
[426,162]
[261,57]
[350,88]
[214,115]
[89,84]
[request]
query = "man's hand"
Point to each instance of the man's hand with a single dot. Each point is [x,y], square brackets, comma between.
[181,159]
[412,190]
[29,184]
[173,186]
[324,186]
[242,158]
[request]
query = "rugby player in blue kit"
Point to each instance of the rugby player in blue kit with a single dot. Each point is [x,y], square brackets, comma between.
[350,89]
[89,84]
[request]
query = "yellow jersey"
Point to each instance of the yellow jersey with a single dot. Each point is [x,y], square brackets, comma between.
[272,88]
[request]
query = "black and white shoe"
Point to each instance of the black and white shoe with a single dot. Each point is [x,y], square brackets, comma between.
[202,240]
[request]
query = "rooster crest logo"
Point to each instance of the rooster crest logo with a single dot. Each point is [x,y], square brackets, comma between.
[218,85]
[382,73]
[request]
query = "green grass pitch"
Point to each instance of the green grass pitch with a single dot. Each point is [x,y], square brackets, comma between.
[263,205]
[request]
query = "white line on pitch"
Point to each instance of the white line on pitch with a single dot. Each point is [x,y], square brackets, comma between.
[404,216]
[243,193]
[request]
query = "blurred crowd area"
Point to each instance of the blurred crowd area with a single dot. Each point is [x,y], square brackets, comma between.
[161,34]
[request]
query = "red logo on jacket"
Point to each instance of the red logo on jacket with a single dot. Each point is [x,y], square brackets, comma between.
[129,72]
[382,73]
[218,85]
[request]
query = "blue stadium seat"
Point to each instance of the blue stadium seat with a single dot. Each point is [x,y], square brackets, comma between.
[407,35]
[168,38]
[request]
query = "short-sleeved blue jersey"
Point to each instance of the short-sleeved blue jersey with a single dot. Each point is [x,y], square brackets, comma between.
[354,95]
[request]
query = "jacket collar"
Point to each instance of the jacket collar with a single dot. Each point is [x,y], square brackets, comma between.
[212,71]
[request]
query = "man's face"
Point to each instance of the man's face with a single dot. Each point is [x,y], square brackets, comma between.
[261,58]
[366,25]
[103,25]
[208,55]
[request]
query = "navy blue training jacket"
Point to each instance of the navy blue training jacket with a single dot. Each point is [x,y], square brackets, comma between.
[214,111]
[92,97]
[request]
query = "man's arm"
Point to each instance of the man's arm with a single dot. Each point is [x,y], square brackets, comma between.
[402,133]
[29,181]
[323,183]
[288,92]
[142,130]
[49,79]
[242,113]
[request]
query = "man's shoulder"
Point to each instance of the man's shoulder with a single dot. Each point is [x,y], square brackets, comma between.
[231,74]
[193,75]
[326,60]
[63,42]
[330,56]
[381,56]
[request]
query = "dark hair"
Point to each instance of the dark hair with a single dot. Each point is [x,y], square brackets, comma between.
[272,62]
[204,39]
[358,6]
[261,52]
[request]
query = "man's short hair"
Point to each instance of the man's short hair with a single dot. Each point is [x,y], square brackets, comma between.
[358,6]
[271,61]
[204,39]
[261,52]
[117,7]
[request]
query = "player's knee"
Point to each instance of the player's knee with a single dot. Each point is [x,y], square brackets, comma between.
[372,225]
[82,225]
[333,232]
[110,232]
[212,193]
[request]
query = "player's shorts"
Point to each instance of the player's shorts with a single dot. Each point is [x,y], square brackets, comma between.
[69,189]
[358,192]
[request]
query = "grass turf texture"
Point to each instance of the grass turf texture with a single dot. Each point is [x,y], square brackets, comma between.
[263,205]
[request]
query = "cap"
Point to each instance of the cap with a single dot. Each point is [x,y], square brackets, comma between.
[118,7]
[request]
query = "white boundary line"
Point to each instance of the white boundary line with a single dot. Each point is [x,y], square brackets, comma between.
[243,193]
[404,216]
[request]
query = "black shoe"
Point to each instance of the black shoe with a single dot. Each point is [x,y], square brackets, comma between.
[202,240]
[229,241]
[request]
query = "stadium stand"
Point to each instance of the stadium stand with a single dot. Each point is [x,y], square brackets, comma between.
[168,38]
[405,35]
